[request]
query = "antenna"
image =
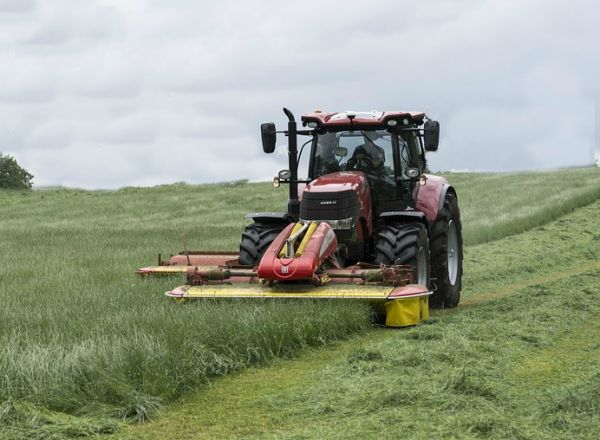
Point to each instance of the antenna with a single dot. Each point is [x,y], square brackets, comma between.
[351,116]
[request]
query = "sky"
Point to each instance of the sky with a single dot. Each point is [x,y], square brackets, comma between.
[113,93]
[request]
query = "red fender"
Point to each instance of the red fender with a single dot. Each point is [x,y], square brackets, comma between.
[429,196]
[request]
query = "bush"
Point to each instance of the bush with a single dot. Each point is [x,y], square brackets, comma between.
[12,175]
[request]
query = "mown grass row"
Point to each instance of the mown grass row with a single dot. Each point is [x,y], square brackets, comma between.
[457,377]
[84,343]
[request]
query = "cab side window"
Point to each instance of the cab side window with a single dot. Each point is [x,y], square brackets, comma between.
[413,149]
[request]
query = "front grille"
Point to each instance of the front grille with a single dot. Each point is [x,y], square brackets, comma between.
[329,205]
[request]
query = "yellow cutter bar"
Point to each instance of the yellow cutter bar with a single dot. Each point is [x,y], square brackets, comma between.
[285,291]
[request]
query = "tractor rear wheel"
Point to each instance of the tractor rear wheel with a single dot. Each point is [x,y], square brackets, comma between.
[404,244]
[256,238]
[447,255]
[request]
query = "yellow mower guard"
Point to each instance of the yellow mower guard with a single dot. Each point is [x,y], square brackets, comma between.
[403,306]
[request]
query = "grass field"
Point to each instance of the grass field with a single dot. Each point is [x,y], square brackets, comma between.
[518,359]
[85,344]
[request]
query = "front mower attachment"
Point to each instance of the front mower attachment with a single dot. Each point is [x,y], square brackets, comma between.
[402,306]
[300,264]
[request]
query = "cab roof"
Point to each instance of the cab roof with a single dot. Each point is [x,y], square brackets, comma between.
[369,119]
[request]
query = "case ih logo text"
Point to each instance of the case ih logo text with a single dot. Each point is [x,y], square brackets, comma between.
[329,202]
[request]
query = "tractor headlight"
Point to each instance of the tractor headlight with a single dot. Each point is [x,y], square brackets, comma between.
[413,172]
[345,223]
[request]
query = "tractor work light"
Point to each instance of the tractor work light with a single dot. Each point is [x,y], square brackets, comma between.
[284,175]
[342,224]
[392,123]
[413,172]
[313,124]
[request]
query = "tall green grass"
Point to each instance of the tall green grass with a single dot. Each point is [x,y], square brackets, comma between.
[81,336]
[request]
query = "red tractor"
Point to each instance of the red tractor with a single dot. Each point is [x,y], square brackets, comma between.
[367,179]
[366,223]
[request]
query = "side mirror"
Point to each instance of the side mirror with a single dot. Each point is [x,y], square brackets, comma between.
[269,137]
[432,135]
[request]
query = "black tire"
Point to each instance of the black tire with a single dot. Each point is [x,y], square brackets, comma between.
[256,238]
[404,244]
[447,255]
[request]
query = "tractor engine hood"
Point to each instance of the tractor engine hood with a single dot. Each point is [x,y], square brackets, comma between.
[338,182]
[338,198]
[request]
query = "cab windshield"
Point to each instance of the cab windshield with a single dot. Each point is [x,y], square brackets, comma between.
[371,152]
[368,151]
[383,156]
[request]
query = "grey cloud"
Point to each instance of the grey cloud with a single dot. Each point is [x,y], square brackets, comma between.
[51,135]
[53,34]
[102,82]
[111,166]
[17,5]
[133,129]
[60,28]
[23,81]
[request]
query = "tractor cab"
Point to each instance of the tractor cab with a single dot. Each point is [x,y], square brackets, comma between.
[388,147]
[389,159]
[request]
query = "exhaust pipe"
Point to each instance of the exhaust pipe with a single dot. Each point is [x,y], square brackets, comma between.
[293,202]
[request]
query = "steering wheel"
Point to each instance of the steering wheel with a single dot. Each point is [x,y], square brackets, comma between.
[360,161]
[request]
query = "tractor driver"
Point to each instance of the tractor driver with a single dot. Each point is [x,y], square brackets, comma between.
[370,158]
[367,157]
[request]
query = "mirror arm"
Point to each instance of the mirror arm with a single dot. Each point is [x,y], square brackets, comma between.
[295,181]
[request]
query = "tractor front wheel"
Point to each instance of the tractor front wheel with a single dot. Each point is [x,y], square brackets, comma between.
[447,255]
[404,244]
[256,238]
